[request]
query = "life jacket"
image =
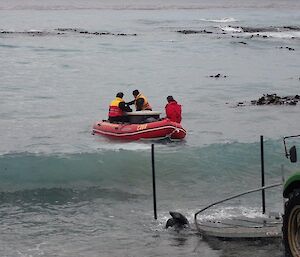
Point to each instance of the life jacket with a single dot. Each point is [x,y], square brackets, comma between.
[114,109]
[146,105]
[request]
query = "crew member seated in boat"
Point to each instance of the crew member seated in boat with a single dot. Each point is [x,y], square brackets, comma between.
[140,101]
[117,109]
[173,110]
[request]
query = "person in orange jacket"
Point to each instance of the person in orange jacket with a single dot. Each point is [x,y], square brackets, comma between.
[173,110]
[117,109]
[140,101]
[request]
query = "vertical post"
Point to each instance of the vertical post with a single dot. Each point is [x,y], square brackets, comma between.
[282,179]
[153,182]
[262,174]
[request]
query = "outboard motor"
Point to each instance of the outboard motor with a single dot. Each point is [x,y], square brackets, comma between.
[178,221]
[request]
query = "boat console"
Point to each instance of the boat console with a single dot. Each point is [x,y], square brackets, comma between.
[138,117]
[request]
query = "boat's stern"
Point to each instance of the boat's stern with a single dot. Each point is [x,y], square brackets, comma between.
[178,132]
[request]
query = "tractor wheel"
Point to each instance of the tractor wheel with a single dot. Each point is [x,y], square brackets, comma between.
[291,225]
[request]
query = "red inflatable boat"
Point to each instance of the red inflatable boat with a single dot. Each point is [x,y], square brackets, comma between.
[141,127]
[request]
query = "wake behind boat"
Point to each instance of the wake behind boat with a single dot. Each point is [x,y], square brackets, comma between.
[142,125]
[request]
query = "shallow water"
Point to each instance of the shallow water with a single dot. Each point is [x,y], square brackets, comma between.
[65,192]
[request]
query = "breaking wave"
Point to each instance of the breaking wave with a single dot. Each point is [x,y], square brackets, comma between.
[222,20]
[275,32]
[124,168]
[284,32]
[230,29]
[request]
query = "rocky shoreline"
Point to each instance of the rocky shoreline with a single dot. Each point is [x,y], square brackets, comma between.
[273,99]
[63,31]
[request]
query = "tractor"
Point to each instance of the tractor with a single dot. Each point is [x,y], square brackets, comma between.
[291,217]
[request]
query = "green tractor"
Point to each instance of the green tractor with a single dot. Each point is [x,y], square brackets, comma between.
[291,217]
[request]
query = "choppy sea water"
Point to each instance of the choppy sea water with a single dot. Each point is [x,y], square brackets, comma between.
[65,192]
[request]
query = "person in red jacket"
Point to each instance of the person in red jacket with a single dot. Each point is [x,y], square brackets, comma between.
[173,110]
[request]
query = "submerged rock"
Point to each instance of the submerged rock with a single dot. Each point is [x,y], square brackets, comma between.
[191,31]
[63,31]
[178,221]
[288,48]
[218,76]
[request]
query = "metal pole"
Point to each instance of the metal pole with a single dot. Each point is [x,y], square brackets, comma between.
[283,180]
[262,174]
[153,182]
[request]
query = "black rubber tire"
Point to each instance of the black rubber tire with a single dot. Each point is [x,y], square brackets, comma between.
[291,225]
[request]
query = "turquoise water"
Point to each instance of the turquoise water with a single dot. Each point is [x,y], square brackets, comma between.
[65,192]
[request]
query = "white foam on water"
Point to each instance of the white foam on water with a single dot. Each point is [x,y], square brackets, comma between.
[231,29]
[117,146]
[222,20]
[231,212]
[280,35]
